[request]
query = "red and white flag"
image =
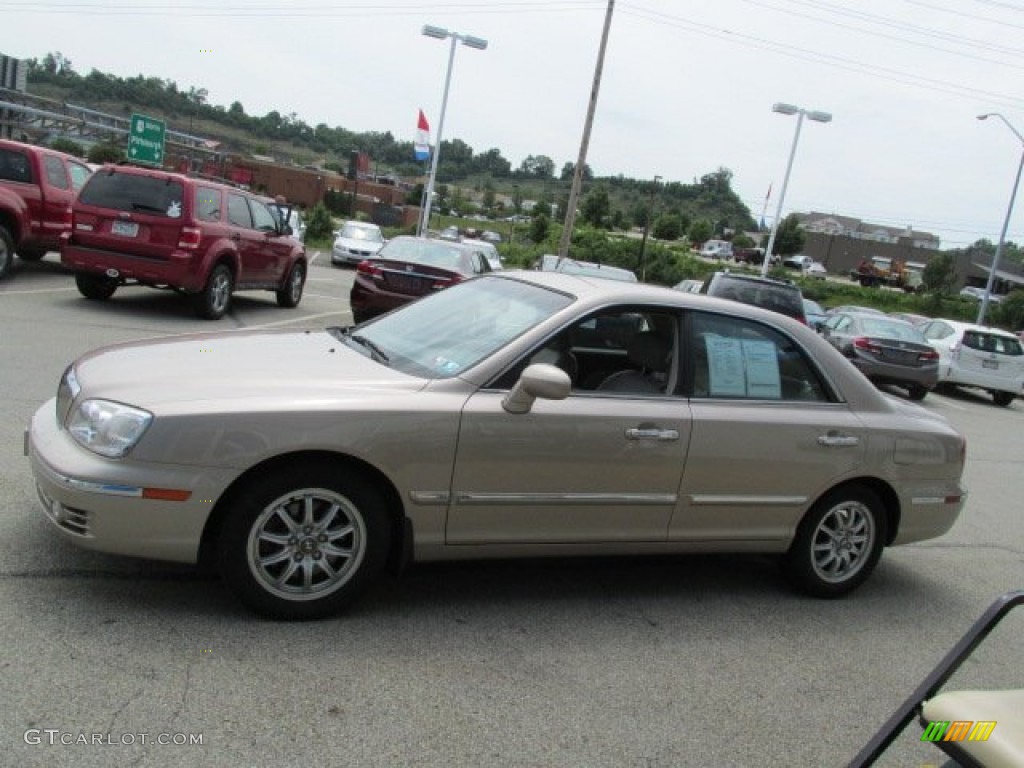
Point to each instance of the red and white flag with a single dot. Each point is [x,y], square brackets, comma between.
[422,145]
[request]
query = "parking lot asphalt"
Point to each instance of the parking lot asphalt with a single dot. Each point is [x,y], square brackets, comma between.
[675,661]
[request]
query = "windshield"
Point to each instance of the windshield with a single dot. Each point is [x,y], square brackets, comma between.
[443,335]
[355,232]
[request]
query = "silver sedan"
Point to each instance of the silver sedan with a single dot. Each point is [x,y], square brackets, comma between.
[515,414]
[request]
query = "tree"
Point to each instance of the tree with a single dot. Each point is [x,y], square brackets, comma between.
[569,169]
[939,276]
[790,237]
[700,230]
[668,226]
[537,167]
[319,225]
[596,208]
[539,227]
[68,147]
[107,152]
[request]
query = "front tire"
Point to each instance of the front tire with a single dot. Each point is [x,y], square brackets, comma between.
[6,252]
[1003,398]
[291,293]
[303,542]
[213,301]
[95,287]
[838,543]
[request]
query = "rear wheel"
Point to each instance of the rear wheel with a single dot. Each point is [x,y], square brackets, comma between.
[95,287]
[838,542]
[213,301]
[291,294]
[917,392]
[301,543]
[1002,398]
[6,252]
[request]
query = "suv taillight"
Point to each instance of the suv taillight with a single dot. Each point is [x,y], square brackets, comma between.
[189,238]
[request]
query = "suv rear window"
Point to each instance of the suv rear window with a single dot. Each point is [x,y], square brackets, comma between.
[990,342]
[780,297]
[129,192]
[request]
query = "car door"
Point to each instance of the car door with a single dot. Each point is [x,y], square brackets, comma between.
[274,249]
[768,435]
[252,256]
[595,467]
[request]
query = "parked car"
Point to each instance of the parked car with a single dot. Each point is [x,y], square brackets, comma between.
[886,350]
[689,286]
[488,249]
[978,356]
[816,270]
[301,463]
[910,317]
[777,295]
[977,294]
[203,239]
[37,185]
[550,262]
[814,313]
[407,268]
[355,241]
[716,249]
[850,308]
[797,261]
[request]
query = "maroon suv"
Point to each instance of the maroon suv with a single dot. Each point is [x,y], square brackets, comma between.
[204,239]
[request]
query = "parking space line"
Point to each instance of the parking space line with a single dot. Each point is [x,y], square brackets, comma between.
[37,290]
[296,320]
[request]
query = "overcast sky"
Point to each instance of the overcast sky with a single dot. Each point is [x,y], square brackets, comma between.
[688,86]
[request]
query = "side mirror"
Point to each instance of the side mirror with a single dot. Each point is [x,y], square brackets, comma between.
[538,380]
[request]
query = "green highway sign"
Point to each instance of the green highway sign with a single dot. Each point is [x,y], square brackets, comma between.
[146,140]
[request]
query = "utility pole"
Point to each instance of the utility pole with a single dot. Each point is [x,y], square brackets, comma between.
[577,177]
[647,229]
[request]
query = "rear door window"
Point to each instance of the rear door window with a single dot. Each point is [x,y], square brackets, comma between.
[208,203]
[130,192]
[56,176]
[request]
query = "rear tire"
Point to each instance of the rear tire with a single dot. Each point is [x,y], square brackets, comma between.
[838,543]
[213,301]
[95,287]
[6,252]
[917,392]
[302,542]
[1003,398]
[291,294]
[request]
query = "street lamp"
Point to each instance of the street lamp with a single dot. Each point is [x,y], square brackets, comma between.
[789,109]
[983,309]
[440,33]
[647,229]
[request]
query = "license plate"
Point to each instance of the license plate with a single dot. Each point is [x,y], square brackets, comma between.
[993,364]
[403,283]
[125,228]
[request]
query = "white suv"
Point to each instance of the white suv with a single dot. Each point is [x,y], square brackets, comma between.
[978,356]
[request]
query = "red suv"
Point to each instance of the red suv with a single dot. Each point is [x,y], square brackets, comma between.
[165,230]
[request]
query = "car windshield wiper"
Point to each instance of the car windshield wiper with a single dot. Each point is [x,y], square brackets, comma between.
[376,352]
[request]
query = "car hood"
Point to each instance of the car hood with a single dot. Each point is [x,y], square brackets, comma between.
[235,367]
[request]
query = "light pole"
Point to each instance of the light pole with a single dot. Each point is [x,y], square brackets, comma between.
[647,229]
[789,109]
[983,309]
[440,33]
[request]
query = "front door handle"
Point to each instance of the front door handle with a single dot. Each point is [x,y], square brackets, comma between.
[836,440]
[651,433]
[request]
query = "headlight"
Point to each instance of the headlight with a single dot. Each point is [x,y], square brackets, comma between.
[67,391]
[108,428]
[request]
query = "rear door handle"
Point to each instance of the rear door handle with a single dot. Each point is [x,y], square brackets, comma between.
[651,433]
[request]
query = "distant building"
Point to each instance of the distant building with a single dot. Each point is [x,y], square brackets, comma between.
[847,226]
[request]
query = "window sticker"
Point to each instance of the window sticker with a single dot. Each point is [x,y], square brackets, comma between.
[446,366]
[742,368]
[174,209]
